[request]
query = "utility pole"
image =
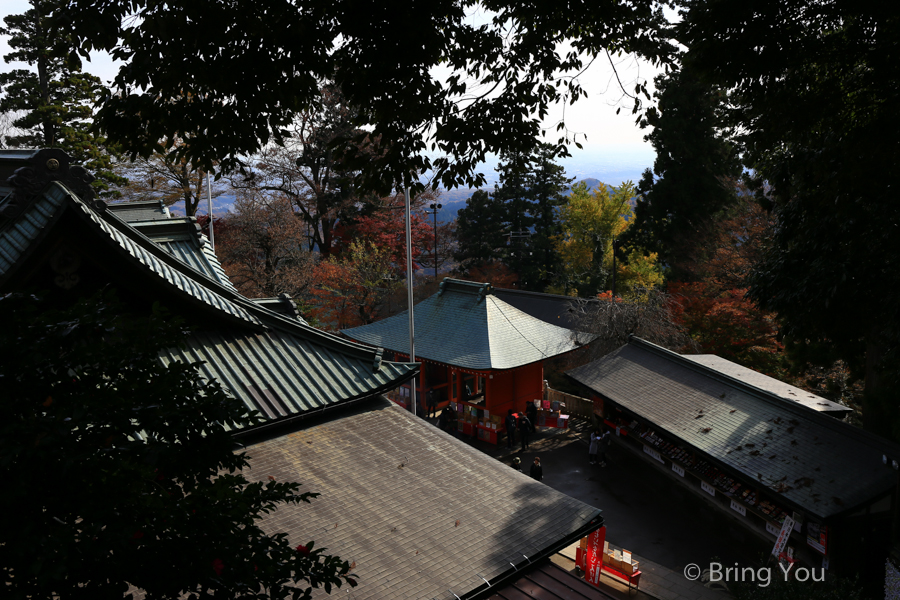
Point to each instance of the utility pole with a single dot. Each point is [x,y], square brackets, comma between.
[212,237]
[409,292]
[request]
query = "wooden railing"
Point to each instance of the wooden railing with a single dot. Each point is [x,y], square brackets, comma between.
[575,405]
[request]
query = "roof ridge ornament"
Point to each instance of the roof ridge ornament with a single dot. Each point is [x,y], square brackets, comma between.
[485,290]
[376,365]
[44,166]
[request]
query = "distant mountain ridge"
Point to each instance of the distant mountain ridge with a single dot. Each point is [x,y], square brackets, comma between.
[455,199]
[611,164]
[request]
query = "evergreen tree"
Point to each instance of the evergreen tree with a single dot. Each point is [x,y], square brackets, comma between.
[513,194]
[688,188]
[517,224]
[545,188]
[481,232]
[120,470]
[53,101]
[814,88]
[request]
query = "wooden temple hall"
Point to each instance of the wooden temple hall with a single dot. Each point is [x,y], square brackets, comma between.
[476,350]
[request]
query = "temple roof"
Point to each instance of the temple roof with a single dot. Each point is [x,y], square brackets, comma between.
[421,515]
[276,364]
[466,325]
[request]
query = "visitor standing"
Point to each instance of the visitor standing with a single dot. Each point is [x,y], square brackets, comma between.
[605,441]
[524,430]
[510,429]
[430,403]
[537,471]
[594,448]
[531,411]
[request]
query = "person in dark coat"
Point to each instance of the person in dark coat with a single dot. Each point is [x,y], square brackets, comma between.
[516,464]
[430,403]
[444,418]
[605,441]
[510,429]
[594,448]
[537,471]
[531,411]
[524,430]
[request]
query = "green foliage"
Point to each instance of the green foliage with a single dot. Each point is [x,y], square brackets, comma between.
[118,470]
[199,69]
[54,103]
[692,181]
[545,185]
[814,88]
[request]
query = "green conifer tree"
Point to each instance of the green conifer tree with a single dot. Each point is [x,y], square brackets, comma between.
[52,101]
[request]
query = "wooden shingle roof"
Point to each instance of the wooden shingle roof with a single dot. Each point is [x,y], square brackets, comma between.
[818,463]
[421,514]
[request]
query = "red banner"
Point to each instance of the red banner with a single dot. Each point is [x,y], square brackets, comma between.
[594,556]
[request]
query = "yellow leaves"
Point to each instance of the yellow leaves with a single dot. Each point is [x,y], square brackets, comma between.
[591,222]
[639,271]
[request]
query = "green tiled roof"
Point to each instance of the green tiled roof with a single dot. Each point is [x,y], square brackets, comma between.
[277,365]
[466,325]
[817,462]
[281,373]
[142,210]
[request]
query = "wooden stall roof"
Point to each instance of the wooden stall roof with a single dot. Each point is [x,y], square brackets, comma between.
[816,462]
[770,384]
[550,582]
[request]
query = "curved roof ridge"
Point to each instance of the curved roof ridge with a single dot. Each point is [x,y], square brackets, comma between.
[459,326]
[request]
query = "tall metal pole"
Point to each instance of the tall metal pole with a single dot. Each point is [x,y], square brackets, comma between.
[212,236]
[435,241]
[409,295]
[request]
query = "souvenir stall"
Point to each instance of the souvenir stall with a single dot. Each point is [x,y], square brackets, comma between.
[819,490]
[481,356]
[595,557]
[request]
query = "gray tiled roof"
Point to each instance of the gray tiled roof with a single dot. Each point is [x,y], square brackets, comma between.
[181,237]
[467,326]
[17,235]
[820,464]
[550,308]
[769,384]
[419,512]
[550,582]
[199,255]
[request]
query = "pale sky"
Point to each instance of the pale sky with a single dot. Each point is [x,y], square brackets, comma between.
[594,116]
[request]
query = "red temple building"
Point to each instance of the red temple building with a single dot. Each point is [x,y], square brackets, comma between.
[479,354]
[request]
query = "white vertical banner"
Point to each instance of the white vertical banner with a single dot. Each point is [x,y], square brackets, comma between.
[783,536]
